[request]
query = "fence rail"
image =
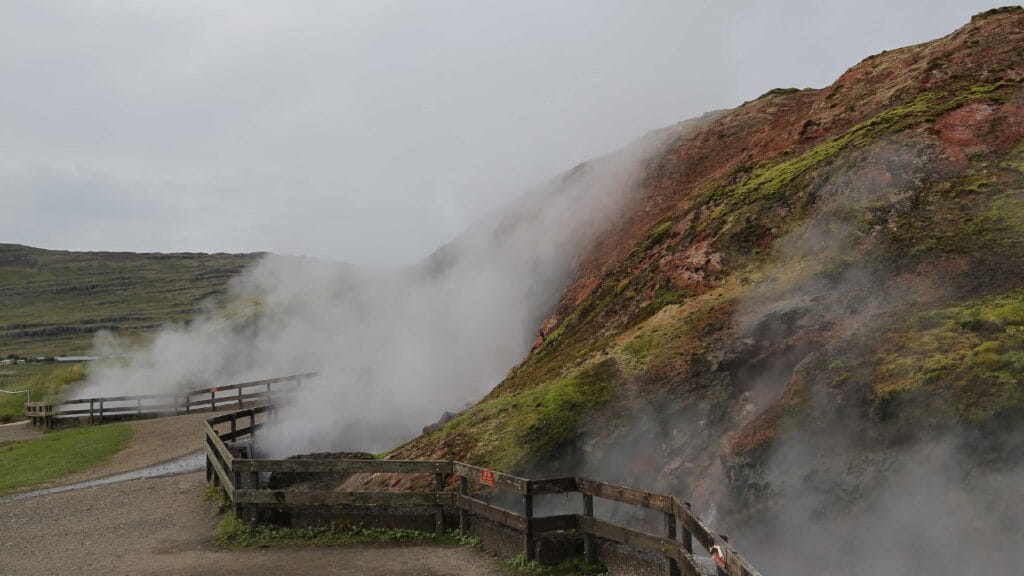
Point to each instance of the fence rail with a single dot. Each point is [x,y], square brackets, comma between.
[240,479]
[49,414]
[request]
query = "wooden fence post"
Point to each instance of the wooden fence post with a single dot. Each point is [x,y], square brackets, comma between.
[234,426]
[101,409]
[463,515]
[528,536]
[213,399]
[439,509]
[671,566]
[92,418]
[687,535]
[589,554]
[718,568]
[138,406]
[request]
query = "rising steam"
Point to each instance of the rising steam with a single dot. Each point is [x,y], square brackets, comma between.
[395,348]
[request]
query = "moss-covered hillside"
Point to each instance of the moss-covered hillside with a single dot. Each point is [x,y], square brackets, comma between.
[836,273]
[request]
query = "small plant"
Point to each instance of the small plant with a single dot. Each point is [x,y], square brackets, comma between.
[217,497]
[236,533]
[570,567]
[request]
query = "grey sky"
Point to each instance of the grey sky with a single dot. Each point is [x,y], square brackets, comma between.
[370,131]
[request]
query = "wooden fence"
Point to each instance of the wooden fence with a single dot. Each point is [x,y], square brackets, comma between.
[241,482]
[49,414]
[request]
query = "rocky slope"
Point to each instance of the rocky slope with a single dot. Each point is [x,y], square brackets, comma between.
[810,322]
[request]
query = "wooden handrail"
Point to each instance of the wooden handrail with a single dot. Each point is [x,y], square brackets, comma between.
[100,408]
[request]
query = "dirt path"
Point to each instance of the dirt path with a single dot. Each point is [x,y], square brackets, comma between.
[154,441]
[163,527]
[18,431]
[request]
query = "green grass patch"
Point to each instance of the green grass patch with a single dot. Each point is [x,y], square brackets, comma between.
[571,567]
[960,363]
[234,533]
[58,454]
[46,381]
[505,431]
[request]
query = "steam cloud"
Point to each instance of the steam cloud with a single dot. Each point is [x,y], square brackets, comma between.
[394,348]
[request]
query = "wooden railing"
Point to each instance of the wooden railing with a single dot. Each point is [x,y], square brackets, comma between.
[241,482]
[119,407]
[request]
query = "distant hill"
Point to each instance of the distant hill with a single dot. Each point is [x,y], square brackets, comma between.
[52,302]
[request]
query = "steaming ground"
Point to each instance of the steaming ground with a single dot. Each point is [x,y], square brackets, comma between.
[395,348]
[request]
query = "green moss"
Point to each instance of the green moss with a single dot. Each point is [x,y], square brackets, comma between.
[505,430]
[659,233]
[778,92]
[662,297]
[768,182]
[961,363]
[980,212]
[1015,159]
[994,11]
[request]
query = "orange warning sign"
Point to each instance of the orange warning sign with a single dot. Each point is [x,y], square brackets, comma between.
[487,477]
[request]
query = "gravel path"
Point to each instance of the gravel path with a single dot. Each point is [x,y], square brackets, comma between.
[18,431]
[162,526]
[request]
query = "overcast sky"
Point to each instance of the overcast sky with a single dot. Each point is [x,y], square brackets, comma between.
[370,131]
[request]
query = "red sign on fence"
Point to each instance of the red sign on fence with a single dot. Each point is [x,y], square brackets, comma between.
[487,477]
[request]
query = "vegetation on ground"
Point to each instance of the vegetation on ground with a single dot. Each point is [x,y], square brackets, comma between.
[505,430]
[46,382]
[58,454]
[571,567]
[964,362]
[55,301]
[236,533]
[233,532]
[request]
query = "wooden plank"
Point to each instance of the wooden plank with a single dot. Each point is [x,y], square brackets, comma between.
[736,565]
[551,486]
[350,466]
[628,536]
[218,445]
[497,515]
[288,498]
[225,478]
[625,494]
[292,378]
[551,523]
[502,480]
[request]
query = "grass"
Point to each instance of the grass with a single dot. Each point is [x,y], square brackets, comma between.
[46,381]
[59,454]
[960,363]
[571,567]
[504,431]
[55,301]
[232,532]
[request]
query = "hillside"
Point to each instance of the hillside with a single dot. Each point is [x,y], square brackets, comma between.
[53,302]
[812,323]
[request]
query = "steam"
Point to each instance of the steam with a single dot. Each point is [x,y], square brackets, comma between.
[395,348]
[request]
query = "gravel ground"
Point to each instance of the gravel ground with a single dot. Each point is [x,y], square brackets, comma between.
[18,431]
[163,527]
